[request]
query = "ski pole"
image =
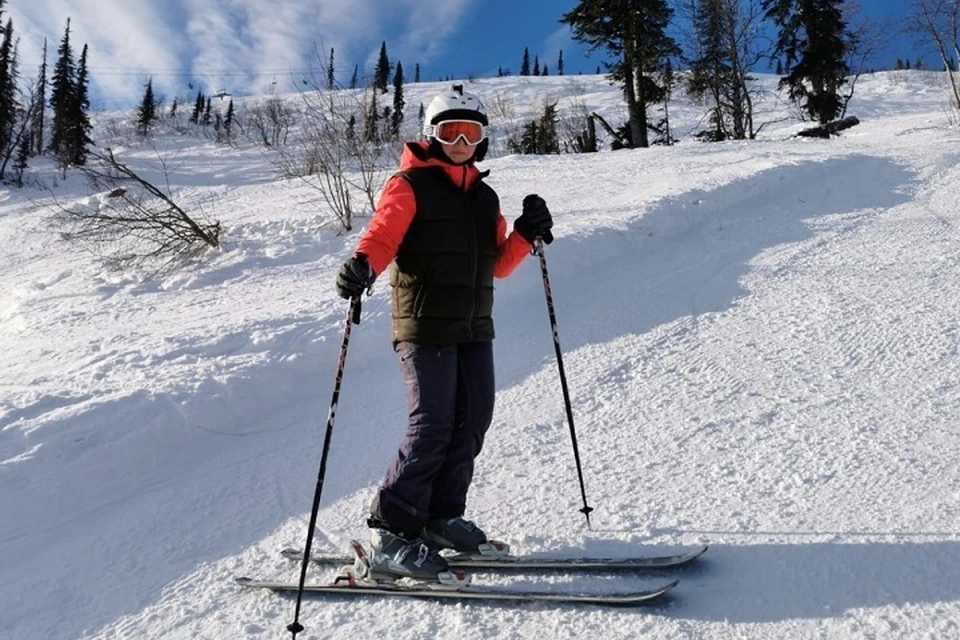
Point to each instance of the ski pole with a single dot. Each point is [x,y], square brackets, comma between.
[353,317]
[538,250]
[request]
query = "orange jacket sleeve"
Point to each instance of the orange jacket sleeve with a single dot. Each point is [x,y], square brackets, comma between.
[390,222]
[511,250]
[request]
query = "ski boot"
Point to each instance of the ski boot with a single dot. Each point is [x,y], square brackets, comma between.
[393,557]
[462,536]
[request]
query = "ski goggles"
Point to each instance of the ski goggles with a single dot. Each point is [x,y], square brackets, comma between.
[449,131]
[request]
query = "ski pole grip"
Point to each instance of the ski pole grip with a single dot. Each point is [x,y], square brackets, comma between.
[547,237]
[355,306]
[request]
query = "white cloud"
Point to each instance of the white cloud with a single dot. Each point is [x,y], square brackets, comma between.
[240,45]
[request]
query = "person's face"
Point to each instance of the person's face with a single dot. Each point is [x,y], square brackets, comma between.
[459,152]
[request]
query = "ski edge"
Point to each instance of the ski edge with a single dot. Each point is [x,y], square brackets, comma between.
[617,599]
[539,563]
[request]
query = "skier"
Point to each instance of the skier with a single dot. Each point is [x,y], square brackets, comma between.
[439,227]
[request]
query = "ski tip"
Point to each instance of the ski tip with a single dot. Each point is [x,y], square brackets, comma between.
[668,587]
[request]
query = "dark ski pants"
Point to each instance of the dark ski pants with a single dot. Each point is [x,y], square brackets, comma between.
[450,394]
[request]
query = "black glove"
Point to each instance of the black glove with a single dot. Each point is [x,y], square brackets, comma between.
[355,277]
[535,221]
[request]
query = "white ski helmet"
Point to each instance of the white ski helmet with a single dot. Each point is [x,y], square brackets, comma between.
[453,105]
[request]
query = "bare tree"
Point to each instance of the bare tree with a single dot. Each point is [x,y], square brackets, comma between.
[132,221]
[272,121]
[578,130]
[937,22]
[726,40]
[333,151]
[864,39]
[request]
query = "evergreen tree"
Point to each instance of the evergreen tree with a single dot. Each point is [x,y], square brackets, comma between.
[80,126]
[330,74]
[398,103]
[544,71]
[525,65]
[208,112]
[24,149]
[381,75]
[547,127]
[371,128]
[635,33]
[39,110]
[711,73]
[560,64]
[228,120]
[416,73]
[529,139]
[813,37]
[539,136]
[147,111]
[70,102]
[9,103]
[779,70]
[353,78]
[173,108]
[62,92]
[719,75]
[536,65]
[197,108]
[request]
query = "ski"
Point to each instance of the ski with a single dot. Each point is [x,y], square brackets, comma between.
[483,593]
[537,563]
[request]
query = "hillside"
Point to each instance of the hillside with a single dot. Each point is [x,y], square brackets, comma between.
[761,341]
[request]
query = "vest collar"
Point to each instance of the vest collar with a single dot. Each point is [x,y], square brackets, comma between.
[416,155]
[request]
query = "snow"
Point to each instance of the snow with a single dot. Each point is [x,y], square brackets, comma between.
[761,344]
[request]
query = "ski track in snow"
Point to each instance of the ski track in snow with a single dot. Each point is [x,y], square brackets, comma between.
[761,346]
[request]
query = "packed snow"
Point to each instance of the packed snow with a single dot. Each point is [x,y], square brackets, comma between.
[761,341]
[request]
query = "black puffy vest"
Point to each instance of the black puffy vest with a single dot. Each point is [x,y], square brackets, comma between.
[442,275]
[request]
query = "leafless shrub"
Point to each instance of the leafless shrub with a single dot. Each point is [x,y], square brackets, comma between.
[578,130]
[132,222]
[271,122]
[341,149]
[937,22]
[500,108]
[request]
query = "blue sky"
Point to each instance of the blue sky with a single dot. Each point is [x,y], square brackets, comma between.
[253,46]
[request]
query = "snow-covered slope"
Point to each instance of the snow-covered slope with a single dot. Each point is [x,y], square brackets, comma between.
[762,347]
